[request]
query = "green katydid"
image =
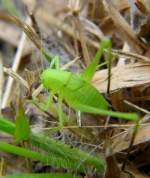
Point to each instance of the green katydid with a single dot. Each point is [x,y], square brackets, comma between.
[77,91]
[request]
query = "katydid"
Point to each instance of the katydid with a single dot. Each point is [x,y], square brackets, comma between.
[77,91]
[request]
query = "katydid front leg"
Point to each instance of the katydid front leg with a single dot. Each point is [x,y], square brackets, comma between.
[55,63]
[50,100]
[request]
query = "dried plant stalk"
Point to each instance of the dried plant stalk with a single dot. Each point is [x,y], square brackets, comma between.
[15,67]
[1,82]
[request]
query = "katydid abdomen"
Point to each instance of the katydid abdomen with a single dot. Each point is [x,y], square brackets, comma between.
[79,94]
[83,94]
[73,89]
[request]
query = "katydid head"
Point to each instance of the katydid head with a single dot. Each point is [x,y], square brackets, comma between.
[53,79]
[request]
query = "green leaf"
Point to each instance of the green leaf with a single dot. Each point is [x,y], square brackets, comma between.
[48,159]
[22,131]
[58,153]
[46,175]
[73,154]
[7,126]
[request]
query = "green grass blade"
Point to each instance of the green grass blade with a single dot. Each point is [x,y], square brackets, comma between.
[49,159]
[22,131]
[23,152]
[7,126]
[73,154]
[10,7]
[60,151]
[46,175]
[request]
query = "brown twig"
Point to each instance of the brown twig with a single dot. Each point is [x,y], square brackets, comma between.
[1,82]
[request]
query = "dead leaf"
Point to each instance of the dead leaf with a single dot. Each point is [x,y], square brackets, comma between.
[121,142]
[124,27]
[144,6]
[123,76]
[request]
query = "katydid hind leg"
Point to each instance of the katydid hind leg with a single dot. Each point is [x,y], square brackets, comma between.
[127,116]
[90,70]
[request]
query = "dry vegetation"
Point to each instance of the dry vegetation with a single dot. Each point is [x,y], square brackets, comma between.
[73,29]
